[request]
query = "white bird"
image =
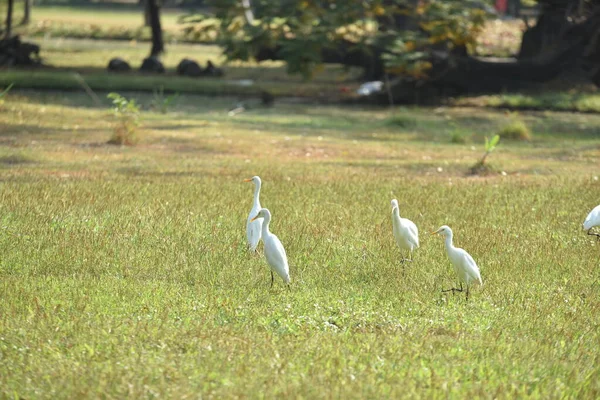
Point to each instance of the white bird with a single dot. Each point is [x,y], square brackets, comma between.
[254,226]
[368,88]
[405,231]
[592,220]
[464,265]
[274,251]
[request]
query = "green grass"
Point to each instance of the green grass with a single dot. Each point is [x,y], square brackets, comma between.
[90,58]
[124,274]
[585,101]
[114,22]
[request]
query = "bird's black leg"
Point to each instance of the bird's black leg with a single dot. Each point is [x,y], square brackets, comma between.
[272,278]
[454,289]
[589,232]
[467,292]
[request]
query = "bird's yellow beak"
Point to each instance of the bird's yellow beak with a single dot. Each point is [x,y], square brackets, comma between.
[433,233]
[248,180]
[254,218]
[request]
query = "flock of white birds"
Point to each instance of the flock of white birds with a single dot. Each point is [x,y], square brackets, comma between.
[404,230]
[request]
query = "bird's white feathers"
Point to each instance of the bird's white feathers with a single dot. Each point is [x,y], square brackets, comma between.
[274,251]
[275,255]
[593,219]
[464,265]
[468,270]
[254,228]
[405,231]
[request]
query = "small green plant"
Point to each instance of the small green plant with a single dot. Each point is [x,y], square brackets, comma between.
[402,121]
[457,136]
[127,114]
[160,102]
[4,93]
[490,145]
[516,130]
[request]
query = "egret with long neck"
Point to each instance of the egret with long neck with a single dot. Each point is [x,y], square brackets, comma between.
[253,227]
[405,231]
[274,251]
[464,265]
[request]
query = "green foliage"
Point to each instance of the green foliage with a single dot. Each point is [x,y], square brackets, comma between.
[490,145]
[481,167]
[127,115]
[160,102]
[458,137]
[515,130]
[300,30]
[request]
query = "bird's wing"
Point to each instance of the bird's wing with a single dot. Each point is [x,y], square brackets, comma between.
[253,229]
[412,228]
[276,257]
[470,266]
[593,218]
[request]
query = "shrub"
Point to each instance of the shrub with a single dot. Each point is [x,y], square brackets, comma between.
[516,130]
[127,114]
[402,121]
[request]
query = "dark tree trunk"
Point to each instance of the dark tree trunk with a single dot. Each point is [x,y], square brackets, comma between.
[157,39]
[26,12]
[9,13]
[146,4]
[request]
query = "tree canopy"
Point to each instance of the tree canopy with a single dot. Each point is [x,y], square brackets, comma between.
[301,32]
[424,44]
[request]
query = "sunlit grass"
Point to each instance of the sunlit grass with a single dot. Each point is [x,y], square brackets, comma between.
[124,273]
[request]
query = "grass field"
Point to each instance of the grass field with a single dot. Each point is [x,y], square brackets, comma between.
[124,271]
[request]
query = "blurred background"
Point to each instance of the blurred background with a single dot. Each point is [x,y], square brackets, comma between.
[380,51]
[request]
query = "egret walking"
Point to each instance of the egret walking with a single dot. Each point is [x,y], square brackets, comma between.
[464,265]
[405,231]
[253,227]
[592,220]
[274,251]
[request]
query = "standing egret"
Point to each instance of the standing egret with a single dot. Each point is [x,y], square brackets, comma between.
[253,227]
[405,231]
[463,263]
[274,251]
[593,219]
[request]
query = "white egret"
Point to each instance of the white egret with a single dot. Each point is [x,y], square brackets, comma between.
[405,231]
[254,227]
[464,265]
[592,220]
[274,251]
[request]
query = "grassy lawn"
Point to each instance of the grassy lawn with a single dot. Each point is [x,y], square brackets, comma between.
[124,273]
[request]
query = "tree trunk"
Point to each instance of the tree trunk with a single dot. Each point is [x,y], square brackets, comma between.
[9,13]
[157,39]
[146,4]
[26,12]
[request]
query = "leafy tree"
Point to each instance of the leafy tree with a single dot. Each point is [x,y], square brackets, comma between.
[425,45]
[307,33]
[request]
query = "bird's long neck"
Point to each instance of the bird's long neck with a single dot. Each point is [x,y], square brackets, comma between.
[265,226]
[396,212]
[256,201]
[449,244]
